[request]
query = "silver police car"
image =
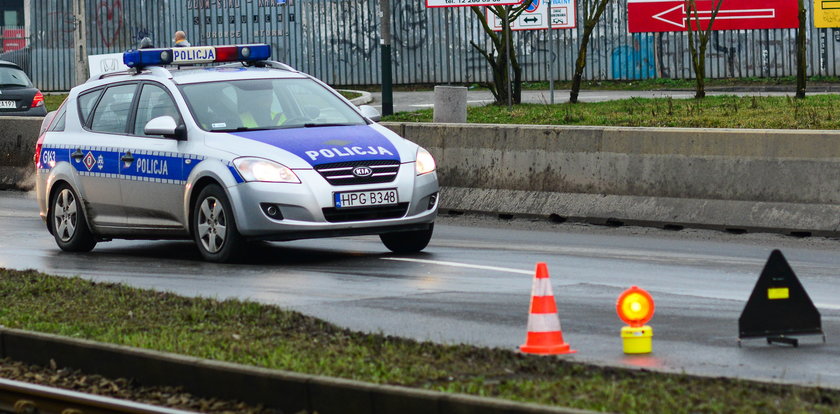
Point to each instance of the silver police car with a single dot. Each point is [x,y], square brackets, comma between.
[223,154]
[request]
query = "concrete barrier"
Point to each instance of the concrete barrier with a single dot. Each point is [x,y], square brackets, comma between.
[755,180]
[18,135]
[768,180]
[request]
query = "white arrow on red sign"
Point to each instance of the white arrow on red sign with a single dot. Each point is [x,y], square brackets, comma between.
[672,16]
[677,15]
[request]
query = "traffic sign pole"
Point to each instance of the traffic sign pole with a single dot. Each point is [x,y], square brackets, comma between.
[550,54]
[507,54]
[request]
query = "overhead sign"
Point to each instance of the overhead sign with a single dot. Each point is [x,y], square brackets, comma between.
[535,16]
[467,3]
[827,13]
[672,15]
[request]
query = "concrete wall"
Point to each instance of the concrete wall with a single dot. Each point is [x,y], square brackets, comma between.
[772,180]
[18,135]
[741,179]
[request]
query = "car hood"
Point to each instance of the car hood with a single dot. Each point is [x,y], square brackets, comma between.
[310,147]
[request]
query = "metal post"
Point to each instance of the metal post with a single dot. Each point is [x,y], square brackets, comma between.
[507,53]
[385,42]
[550,53]
[287,45]
[450,61]
[80,42]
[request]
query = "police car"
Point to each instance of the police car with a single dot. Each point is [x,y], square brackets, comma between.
[222,154]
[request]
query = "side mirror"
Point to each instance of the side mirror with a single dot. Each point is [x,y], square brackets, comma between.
[370,112]
[166,126]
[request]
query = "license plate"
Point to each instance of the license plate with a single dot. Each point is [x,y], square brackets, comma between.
[366,198]
[7,105]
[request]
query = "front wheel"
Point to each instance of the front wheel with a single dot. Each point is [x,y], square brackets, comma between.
[214,228]
[68,221]
[407,241]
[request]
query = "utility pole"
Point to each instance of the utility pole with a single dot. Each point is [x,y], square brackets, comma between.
[80,41]
[385,47]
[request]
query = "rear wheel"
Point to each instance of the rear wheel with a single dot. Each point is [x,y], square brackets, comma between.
[68,222]
[214,227]
[407,241]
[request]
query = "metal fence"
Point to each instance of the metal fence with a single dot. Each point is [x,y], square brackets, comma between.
[338,41]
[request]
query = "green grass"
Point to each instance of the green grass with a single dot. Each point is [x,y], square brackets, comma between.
[813,112]
[52,102]
[266,336]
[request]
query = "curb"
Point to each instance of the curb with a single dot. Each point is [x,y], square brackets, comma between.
[287,391]
[366,97]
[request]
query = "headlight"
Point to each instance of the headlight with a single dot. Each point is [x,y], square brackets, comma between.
[258,169]
[425,163]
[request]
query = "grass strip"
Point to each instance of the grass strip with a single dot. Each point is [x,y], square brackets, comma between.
[773,112]
[267,336]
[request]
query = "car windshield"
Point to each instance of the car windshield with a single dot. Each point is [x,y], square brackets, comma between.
[10,76]
[257,104]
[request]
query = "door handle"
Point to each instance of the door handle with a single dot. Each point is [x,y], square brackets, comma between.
[77,155]
[127,158]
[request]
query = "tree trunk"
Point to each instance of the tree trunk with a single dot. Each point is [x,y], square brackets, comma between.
[580,63]
[801,63]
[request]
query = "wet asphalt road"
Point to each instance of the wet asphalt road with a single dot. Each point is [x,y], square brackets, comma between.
[473,285]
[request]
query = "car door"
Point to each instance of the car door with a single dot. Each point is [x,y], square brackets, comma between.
[153,167]
[103,114]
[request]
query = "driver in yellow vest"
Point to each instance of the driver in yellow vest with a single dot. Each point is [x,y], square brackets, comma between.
[259,109]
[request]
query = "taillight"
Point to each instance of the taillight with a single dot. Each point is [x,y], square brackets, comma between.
[38,100]
[38,146]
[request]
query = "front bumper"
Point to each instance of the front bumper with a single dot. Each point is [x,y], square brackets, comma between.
[303,207]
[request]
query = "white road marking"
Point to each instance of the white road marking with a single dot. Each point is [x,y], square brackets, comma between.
[821,305]
[467,265]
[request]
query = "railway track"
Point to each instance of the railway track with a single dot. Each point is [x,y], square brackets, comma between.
[26,398]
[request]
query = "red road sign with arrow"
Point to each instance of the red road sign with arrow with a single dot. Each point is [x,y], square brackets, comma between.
[672,15]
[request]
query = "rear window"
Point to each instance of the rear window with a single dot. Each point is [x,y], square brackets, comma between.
[86,103]
[10,76]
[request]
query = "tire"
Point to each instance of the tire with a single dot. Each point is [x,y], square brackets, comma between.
[214,227]
[407,241]
[67,218]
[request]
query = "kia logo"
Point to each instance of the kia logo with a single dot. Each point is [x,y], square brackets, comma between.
[362,171]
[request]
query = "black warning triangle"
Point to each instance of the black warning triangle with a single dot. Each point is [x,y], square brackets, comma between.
[779,305]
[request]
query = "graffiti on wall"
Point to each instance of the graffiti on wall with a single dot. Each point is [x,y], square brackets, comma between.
[339,40]
[635,60]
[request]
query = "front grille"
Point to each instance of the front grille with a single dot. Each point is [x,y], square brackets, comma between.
[340,215]
[341,173]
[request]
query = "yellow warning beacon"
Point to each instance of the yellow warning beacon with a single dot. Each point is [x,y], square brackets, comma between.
[635,307]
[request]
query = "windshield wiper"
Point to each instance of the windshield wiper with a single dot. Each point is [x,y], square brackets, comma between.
[313,125]
[240,129]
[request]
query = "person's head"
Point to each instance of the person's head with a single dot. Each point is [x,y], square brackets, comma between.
[145,43]
[179,36]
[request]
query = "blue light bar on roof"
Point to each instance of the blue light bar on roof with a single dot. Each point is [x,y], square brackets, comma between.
[196,54]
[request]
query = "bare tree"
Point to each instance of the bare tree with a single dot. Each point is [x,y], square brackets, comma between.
[698,39]
[502,52]
[801,63]
[592,11]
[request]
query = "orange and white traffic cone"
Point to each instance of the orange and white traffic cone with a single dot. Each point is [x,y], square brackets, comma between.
[544,334]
